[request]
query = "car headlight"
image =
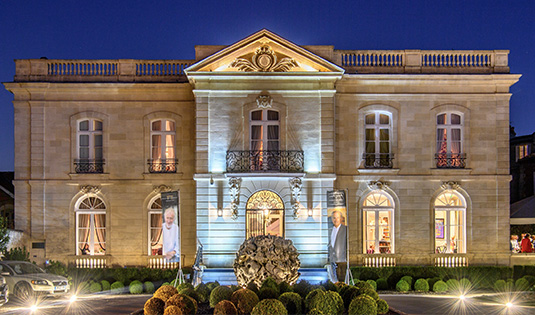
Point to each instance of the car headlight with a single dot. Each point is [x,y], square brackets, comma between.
[40,282]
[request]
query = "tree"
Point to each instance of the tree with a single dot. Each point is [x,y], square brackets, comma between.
[4,235]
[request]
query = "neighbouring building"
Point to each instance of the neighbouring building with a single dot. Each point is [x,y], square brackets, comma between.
[522,159]
[252,136]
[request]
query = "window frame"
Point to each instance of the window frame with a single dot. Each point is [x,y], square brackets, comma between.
[264,123]
[150,212]
[92,227]
[449,127]
[448,209]
[163,134]
[378,160]
[376,210]
[91,133]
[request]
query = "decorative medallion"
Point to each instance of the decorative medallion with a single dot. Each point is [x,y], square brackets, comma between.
[264,101]
[264,60]
[161,188]
[295,187]
[86,189]
[234,184]
[377,185]
[451,185]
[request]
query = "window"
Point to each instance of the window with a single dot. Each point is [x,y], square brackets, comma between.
[162,138]
[264,214]
[449,151]
[377,143]
[450,209]
[522,151]
[155,226]
[378,212]
[89,147]
[91,226]
[265,154]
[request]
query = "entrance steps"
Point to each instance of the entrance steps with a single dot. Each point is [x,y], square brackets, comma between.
[225,276]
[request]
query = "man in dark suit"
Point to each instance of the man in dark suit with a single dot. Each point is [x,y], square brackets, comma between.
[338,245]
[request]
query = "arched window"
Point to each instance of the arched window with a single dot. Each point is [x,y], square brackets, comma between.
[264,142]
[378,152]
[450,210]
[264,214]
[162,139]
[90,157]
[155,226]
[378,210]
[449,150]
[91,226]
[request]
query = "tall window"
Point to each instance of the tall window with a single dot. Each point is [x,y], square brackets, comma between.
[378,212]
[450,209]
[163,158]
[90,155]
[449,151]
[378,133]
[522,151]
[155,226]
[91,226]
[265,154]
[264,214]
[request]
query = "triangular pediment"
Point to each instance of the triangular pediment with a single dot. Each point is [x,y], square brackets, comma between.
[264,52]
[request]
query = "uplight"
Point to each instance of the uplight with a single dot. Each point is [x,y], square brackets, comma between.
[509,304]
[462,297]
[33,308]
[73,298]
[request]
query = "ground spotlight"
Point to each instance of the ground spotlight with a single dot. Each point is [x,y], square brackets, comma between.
[33,308]
[462,297]
[73,298]
[509,304]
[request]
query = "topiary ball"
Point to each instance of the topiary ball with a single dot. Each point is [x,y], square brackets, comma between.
[302,288]
[363,305]
[382,284]
[315,311]
[421,285]
[284,287]
[184,285]
[453,284]
[382,306]
[373,284]
[440,287]
[329,286]
[204,292]
[348,294]
[364,287]
[149,287]
[244,300]
[312,297]
[83,287]
[212,285]
[402,286]
[165,292]
[219,294]
[106,286]
[292,301]
[186,304]
[253,287]
[269,307]
[225,307]
[95,287]
[465,284]
[117,287]
[407,279]
[331,303]
[154,306]
[270,283]
[135,287]
[522,284]
[268,293]
[191,293]
[432,282]
[173,310]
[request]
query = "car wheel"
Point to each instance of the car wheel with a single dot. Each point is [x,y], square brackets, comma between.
[24,292]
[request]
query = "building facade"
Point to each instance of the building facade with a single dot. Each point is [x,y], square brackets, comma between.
[253,136]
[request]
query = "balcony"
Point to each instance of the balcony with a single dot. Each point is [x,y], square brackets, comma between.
[450,160]
[289,161]
[162,165]
[378,160]
[88,166]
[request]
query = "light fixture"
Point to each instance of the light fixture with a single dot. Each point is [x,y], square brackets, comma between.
[219,212]
[310,212]
[211,179]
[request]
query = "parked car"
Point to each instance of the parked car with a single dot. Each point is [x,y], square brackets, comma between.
[25,280]
[4,291]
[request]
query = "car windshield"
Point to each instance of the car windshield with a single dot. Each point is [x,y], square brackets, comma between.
[25,268]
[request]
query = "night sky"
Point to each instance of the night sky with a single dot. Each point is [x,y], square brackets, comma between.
[170,30]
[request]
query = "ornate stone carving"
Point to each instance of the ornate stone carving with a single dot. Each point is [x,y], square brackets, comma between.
[161,188]
[374,185]
[86,189]
[264,256]
[264,101]
[295,187]
[450,185]
[234,184]
[264,60]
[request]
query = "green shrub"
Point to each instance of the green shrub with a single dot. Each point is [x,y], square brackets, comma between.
[315,311]
[465,284]
[154,306]
[366,288]
[284,287]
[83,287]
[509,285]
[268,293]
[95,287]
[212,285]
[292,301]
[204,292]
[106,286]
[402,286]
[270,283]
[530,278]
[421,285]
[373,284]
[407,279]
[135,287]
[522,284]
[302,288]
[312,296]
[191,293]
[57,268]
[363,305]
[165,292]
[252,286]
[440,287]
[148,286]
[453,285]
[185,304]
[117,287]
[184,285]
[269,307]
[382,306]
[499,285]
[219,294]
[244,300]
[329,286]
[17,253]
[331,303]
[225,307]
[349,294]
[432,281]
[382,284]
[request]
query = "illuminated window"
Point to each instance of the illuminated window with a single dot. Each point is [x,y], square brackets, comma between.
[378,209]
[522,151]
[162,138]
[89,146]
[91,226]
[378,136]
[264,142]
[155,226]
[449,150]
[450,209]
[264,214]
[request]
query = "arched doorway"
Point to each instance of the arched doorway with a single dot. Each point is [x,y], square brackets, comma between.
[264,214]
[450,216]
[378,210]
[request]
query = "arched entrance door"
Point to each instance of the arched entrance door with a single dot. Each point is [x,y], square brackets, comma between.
[264,214]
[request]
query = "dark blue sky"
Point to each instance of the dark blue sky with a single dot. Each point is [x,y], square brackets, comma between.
[170,29]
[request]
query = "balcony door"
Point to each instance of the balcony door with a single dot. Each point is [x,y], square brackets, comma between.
[264,142]
[264,214]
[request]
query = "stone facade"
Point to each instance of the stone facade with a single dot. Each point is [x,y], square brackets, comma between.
[322,96]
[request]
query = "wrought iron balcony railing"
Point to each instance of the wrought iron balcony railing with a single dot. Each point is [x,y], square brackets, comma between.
[286,161]
[88,166]
[378,160]
[450,160]
[162,165]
